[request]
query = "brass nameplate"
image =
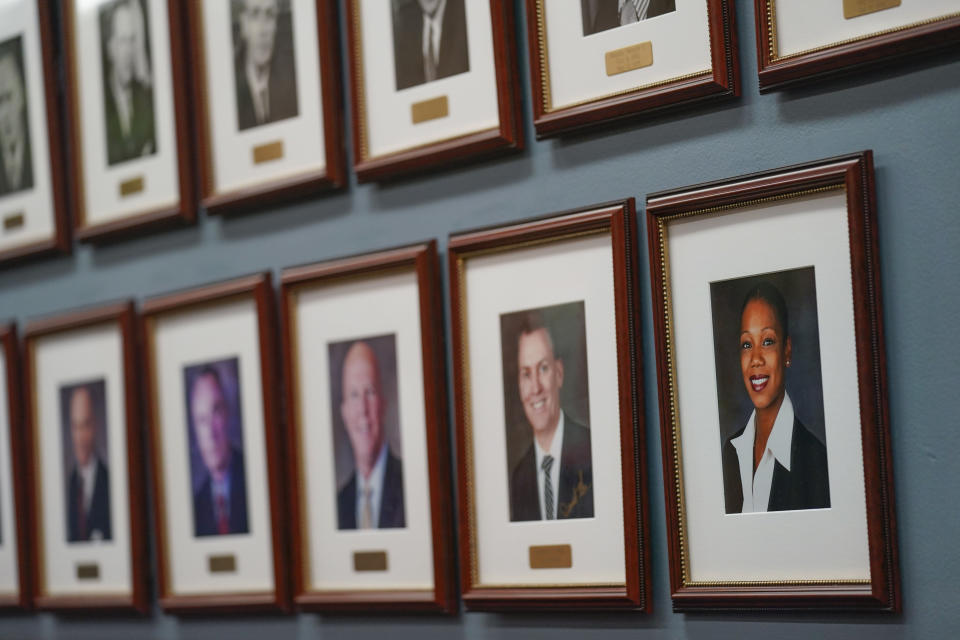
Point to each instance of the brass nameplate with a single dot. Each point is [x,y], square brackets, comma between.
[223,564]
[88,571]
[430,109]
[636,56]
[857,8]
[369,560]
[551,556]
[131,186]
[268,152]
[13,221]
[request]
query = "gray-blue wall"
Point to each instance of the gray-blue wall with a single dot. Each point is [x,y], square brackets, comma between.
[909,115]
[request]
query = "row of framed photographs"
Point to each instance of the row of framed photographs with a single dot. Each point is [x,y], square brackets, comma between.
[772,397]
[247,93]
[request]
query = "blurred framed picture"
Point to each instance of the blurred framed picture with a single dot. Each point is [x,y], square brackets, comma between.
[774,421]
[132,157]
[267,83]
[83,423]
[218,507]
[594,61]
[798,41]
[33,213]
[369,478]
[14,567]
[550,413]
[432,82]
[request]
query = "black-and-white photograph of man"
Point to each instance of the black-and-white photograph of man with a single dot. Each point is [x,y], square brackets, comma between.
[601,15]
[16,163]
[429,40]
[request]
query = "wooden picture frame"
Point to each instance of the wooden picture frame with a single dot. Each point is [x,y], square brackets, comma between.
[17,479]
[840,193]
[419,263]
[609,227]
[634,86]
[881,40]
[298,180]
[256,292]
[438,146]
[84,323]
[14,215]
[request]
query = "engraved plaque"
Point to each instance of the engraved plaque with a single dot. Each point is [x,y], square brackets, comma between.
[13,221]
[369,561]
[131,186]
[551,556]
[857,8]
[636,56]
[430,109]
[89,571]
[267,152]
[223,564]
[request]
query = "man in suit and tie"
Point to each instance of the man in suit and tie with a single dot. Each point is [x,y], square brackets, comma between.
[16,164]
[554,478]
[266,79]
[127,90]
[600,15]
[220,504]
[373,496]
[88,496]
[429,40]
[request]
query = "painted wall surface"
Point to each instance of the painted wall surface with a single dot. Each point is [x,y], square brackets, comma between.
[909,114]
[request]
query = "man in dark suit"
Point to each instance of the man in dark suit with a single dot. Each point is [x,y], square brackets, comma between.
[127,93]
[220,504]
[88,493]
[429,40]
[373,497]
[266,79]
[16,163]
[600,15]
[554,478]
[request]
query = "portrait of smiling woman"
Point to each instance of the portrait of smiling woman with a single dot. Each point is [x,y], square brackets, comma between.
[772,433]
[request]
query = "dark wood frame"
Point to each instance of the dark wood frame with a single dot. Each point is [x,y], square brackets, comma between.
[421,158]
[619,220]
[422,260]
[60,240]
[259,289]
[301,185]
[723,81]
[854,173]
[184,212]
[776,72]
[11,353]
[123,315]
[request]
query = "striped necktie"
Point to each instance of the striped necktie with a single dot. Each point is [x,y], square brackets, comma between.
[547,487]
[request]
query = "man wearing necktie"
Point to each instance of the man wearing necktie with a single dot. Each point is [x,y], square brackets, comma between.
[373,497]
[88,496]
[429,40]
[16,164]
[600,15]
[220,504]
[554,478]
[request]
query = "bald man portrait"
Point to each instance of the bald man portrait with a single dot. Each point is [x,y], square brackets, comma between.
[600,15]
[372,496]
[88,483]
[16,163]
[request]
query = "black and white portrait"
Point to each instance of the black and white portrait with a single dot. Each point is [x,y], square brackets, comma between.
[429,40]
[601,15]
[16,162]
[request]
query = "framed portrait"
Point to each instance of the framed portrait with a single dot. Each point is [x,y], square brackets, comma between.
[14,567]
[366,416]
[218,503]
[549,406]
[33,214]
[87,496]
[132,158]
[593,61]
[799,39]
[267,82]
[773,404]
[433,82]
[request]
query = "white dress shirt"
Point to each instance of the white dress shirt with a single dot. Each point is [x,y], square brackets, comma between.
[375,484]
[432,28]
[756,486]
[259,86]
[13,162]
[124,103]
[88,476]
[555,448]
